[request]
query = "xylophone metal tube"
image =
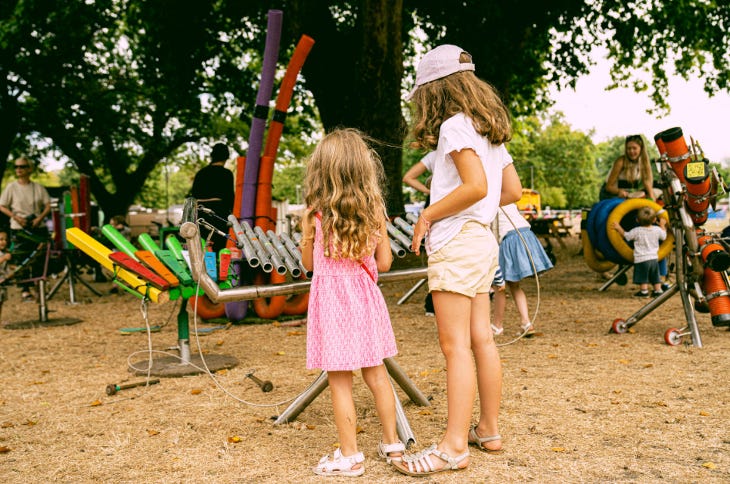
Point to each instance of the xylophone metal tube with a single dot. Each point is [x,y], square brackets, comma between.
[284,254]
[396,234]
[412,218]
[291,246]
[266,264]
[269,248]
[404,226]
[248,252]
[397,249]
[189,230]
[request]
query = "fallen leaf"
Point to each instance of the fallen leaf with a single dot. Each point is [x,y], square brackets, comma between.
[624,362]
[219,342]
[151,432]
[704,414]
[424,412]
[280,353]
[30,423]
[295,333]
[592,345]
[709,465]
[7,425]
[359,430]
[311,427]
[558,449]
[552,356]
[660,404]
[523,370]
[222,371]
[649,365]
[96,403]
[276,324]
[4,450]
[234,440]
[424,373]
[196,391]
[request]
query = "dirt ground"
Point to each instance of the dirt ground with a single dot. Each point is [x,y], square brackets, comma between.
[579,404]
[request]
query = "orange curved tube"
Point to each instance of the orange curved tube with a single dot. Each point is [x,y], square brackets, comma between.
[207,309]
[719,303]
[269,308]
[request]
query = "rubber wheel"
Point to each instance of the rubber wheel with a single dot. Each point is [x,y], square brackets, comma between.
[619,326]
[672,337]
[622,280]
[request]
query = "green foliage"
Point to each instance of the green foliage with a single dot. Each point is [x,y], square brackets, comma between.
[556,157]
[119,86]
[553,197]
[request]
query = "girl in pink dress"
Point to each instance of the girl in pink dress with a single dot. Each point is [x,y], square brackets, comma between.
[345,244]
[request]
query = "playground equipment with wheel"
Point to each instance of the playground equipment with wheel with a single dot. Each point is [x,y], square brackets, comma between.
[700,258]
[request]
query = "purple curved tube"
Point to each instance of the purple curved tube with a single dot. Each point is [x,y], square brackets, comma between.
[236,311]
[258,123]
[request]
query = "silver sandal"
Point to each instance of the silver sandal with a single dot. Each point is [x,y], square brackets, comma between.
[474,439]
[340,465]
[420,464]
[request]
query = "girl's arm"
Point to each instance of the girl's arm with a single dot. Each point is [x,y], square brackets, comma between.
[383,254]
[411,178]
[612,180]
[306,245]
[511,186]
[472,189]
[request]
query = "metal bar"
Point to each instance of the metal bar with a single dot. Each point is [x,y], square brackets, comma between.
[304,399]
[269,248]
[284,254]
[243,243]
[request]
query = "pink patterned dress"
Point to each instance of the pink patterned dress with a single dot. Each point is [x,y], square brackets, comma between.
[348,325]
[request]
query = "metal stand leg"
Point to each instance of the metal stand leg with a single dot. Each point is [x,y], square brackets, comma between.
[405,434]
[622,270]
[70,274]
[410,291]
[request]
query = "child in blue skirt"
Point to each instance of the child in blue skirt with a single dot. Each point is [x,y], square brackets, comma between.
[513,233]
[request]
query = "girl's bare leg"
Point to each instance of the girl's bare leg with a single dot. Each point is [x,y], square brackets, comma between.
[378,381]
[489,370]
[453,312]
[344,409]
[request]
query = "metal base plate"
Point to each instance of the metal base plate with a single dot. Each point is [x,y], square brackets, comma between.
[42,324]
[170,366]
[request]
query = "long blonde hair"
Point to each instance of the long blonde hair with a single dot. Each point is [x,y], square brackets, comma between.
[461,92]
[641,168]
[343,181]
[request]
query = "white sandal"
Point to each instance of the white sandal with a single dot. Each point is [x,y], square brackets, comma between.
[384,451]
[497,331]
[420,464]
[340,465]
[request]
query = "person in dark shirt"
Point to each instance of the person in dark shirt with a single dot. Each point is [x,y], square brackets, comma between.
[213,189]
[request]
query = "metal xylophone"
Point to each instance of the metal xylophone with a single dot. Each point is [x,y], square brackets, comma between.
[271,252]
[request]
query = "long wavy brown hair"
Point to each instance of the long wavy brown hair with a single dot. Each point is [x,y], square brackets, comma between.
[343,182]
[461,92]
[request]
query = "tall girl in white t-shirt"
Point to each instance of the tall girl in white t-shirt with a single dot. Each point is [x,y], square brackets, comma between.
[463,119]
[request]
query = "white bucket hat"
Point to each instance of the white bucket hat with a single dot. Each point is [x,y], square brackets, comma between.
[440,62]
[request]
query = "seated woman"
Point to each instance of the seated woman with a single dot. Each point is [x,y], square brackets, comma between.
[630,176]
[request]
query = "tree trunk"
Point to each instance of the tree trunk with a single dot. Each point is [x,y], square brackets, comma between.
[355,76]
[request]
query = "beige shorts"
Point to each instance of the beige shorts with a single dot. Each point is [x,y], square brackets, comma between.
[467,263]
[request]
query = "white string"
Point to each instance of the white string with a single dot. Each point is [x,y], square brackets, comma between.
[537,284]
